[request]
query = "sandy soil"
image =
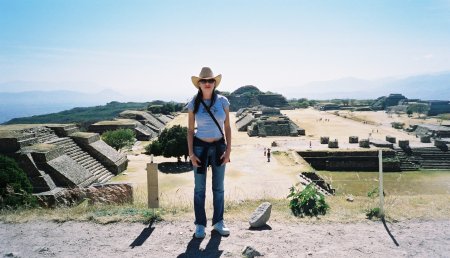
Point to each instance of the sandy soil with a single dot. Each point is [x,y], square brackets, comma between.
[249,175]
[169,239]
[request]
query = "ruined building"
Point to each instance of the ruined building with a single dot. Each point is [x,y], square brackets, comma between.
[58,156]
[145,124]
[250,96]
[265,121]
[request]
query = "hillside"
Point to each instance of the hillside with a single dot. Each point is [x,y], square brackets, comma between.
[38,102]
[82,115]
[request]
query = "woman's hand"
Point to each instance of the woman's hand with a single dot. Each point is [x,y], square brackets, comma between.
[195,161]
[225,157]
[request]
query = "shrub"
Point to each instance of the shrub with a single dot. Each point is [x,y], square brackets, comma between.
[307,202]
[371,211]
[119,138]
[15,188]
[171,142]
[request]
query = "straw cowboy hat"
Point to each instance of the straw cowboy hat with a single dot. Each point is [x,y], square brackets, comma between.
[206,73]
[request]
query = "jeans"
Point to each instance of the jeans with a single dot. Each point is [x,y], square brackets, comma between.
[218,174]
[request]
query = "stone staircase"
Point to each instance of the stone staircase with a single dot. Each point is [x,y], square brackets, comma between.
[406,163]
[36,135]
[431,158]
[306,181]
[72,150]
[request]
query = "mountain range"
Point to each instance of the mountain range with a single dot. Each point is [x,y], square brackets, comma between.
[29,103]
[427,87]
[21,99]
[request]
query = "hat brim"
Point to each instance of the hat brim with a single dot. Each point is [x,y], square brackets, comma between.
[195,80]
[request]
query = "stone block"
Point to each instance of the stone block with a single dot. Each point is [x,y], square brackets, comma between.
[364,143]
[403,144]
[333,144]
[324,140]
[391,139]
[66,172]
[425,139]
[261,215]
[353,139]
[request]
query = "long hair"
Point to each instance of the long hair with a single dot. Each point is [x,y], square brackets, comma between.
[200,96]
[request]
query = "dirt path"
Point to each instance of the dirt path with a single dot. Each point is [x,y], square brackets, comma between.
[174,239]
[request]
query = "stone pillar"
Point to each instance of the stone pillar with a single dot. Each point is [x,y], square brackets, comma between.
[152,185]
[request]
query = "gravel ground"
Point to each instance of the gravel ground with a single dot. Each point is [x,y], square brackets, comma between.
[175,239]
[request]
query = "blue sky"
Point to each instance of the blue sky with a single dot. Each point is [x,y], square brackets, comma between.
[149,49]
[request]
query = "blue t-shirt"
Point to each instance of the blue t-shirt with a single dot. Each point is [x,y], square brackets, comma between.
[206,128]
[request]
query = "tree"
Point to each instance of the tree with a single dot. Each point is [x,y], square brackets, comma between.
[420,108]
[171,142]
[165,108]
[119,138]
[15,188]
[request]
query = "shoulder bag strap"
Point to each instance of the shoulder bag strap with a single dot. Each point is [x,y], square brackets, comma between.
[212,116]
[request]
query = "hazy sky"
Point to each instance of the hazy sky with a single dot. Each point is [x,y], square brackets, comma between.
[151,48]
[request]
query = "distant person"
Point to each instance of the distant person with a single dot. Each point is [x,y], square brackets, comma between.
[268,155]
[264,151]
[209,146]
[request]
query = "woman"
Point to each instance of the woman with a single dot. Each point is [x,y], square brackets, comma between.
[209,145]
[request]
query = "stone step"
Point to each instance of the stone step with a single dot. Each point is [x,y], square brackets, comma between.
[105,179]
[89,163]
[99,171]
[78,155]
[95,166]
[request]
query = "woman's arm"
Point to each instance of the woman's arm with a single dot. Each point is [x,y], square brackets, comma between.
[190,139]
[226,155]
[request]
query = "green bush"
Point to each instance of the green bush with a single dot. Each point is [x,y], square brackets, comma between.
[307,202]
[15,188]
[119,138]
[371,211]
[171,142]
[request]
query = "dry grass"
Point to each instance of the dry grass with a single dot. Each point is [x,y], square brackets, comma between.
[397,208]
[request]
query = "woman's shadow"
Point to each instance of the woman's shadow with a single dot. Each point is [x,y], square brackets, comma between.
[211,249]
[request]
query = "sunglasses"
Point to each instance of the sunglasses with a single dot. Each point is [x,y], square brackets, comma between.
[207,81]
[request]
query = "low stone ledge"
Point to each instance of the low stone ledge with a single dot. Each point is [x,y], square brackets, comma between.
[110,193]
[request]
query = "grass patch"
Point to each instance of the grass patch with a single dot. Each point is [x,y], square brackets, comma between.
[397,208]
[395,183]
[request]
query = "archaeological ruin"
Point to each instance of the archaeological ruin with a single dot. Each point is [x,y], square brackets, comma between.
[250,96]
[57,157]
[146,125]
[266,121]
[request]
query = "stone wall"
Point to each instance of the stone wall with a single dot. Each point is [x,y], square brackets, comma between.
[351,160]
[111,193]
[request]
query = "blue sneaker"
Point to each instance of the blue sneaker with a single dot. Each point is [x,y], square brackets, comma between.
[221,228]
[200,231]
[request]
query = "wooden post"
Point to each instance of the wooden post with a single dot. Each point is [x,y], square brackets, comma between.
[380,179]
[152,185]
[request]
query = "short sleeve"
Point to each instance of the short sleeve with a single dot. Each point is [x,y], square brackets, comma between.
[225,102]
[190,105]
